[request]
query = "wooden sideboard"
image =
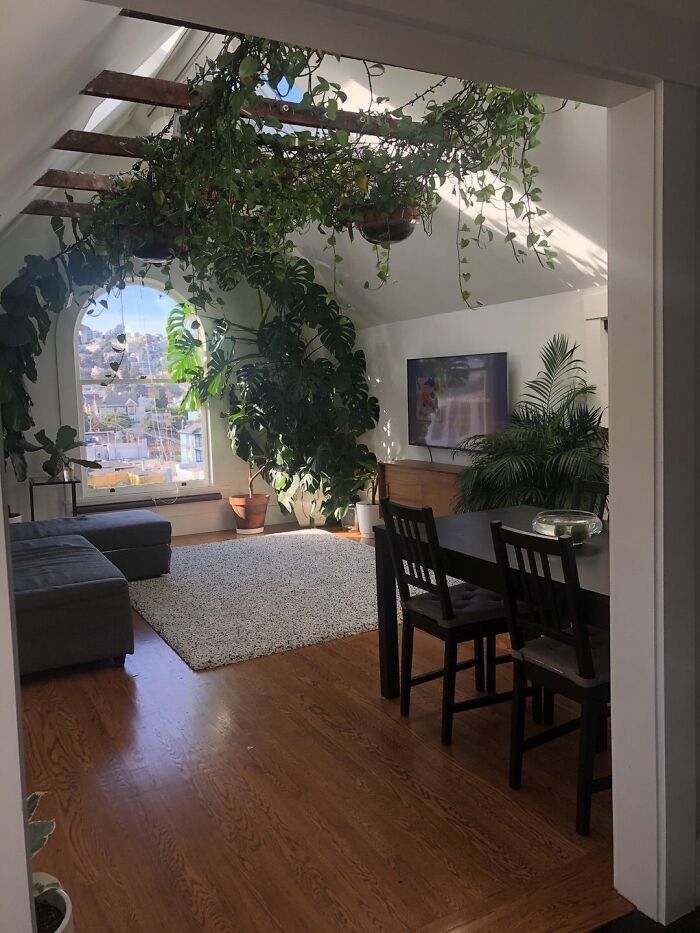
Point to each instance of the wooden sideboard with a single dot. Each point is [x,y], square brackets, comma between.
[420,483]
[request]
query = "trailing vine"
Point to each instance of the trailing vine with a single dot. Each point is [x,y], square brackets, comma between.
[223,199]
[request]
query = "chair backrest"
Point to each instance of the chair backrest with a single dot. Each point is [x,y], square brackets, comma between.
[590,496]
[415,552]
[536,604]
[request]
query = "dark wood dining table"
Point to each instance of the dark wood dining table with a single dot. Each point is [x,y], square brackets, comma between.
[466,549]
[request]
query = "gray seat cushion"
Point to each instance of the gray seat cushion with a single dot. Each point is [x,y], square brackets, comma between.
[72,604]
[560,658]
[470,604]
[108,531]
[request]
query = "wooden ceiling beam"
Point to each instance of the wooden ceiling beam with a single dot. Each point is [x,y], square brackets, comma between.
[117,85]
[58,208]
[168,21]
[100,144]
[78,181]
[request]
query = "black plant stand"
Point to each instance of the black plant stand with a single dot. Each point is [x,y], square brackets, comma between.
[53,481]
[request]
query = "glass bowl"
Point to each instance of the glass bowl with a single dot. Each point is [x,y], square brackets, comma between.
[557,522]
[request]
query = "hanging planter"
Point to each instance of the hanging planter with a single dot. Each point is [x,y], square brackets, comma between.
[381,227]
[157,246]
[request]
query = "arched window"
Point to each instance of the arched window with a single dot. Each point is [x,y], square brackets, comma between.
[132,423]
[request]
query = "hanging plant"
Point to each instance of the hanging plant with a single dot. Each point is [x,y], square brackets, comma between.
[224,198]
[381,227]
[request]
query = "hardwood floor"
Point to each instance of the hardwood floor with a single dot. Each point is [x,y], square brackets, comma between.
[283,794]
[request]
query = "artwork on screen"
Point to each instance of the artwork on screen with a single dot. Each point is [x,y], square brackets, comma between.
[454,397]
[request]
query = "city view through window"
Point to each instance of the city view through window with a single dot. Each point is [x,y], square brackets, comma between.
[134,427]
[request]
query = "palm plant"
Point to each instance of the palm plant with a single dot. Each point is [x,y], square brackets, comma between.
[553,437]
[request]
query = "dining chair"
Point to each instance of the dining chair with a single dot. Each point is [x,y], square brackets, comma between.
[590,496]
[454,614]
[553,647]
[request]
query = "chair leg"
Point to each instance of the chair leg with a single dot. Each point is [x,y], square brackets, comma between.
[479,670]
[537,705]
[517,725]
[590,717]
[547,707]
[449,679]
[490,663]
[406,666]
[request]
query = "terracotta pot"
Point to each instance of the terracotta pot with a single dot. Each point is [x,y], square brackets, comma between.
[380,227]
[250,513]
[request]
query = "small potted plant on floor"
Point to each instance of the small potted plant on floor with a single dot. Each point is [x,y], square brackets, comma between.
[368,509]
[53,908]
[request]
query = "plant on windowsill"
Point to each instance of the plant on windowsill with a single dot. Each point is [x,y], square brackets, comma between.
[59,462]
[53,908]
[553,437]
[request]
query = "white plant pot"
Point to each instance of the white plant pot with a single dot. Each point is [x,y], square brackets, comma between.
[58,898]
[307,508]
[367,517]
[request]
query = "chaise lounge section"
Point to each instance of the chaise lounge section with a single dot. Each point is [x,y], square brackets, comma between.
[70,581]
[71,604]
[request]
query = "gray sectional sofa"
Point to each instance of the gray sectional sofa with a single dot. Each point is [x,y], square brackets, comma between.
[70,580]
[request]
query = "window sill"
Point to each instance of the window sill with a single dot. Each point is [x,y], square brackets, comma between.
[119,505]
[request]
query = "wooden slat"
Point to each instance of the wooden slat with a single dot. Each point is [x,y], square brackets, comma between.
[100,144]
[117,85]
[79,181]
[58,208]
[169,21]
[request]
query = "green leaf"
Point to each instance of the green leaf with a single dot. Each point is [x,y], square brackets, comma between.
[249,66]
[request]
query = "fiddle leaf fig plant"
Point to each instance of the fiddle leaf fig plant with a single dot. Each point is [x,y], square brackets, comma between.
[58,451]
[225,200]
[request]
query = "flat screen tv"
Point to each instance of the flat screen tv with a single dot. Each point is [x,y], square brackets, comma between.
[454,397]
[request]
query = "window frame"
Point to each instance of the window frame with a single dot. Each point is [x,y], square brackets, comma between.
[73,413]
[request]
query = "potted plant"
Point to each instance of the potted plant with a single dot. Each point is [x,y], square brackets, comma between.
[394,226]
[251,510]
[59,463]
[307,499]
[553,438]
[54,911]
[368,510]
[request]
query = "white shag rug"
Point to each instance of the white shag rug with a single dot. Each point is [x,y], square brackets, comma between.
[234,600]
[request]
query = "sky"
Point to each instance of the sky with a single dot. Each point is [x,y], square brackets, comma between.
[142,309]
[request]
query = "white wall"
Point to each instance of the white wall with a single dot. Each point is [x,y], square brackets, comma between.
[519,328]
[16,905]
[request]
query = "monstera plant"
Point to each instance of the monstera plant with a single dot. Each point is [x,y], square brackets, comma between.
[295,387]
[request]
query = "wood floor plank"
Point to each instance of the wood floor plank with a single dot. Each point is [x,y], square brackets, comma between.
[283,794]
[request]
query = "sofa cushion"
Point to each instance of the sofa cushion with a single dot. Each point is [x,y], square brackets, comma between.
[52,571]
[108,531]
[469,603]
